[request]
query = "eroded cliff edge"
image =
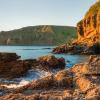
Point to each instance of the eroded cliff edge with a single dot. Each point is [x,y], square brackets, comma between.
[88,31]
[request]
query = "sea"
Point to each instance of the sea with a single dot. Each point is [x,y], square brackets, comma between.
[33,52]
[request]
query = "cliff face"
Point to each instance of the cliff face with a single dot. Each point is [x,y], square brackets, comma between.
[88,29]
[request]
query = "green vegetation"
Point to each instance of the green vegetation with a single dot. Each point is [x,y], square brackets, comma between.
[38,35]
[93,9]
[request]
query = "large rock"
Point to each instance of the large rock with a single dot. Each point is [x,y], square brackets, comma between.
[92,67]
[13,69]
[52,62]
[64,78]
[87,77]
[57,81]
[8,57]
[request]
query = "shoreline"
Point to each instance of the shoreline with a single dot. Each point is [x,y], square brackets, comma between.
[63,84]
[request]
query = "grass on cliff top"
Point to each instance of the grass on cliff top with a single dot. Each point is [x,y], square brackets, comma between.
[39,35]
[93,9]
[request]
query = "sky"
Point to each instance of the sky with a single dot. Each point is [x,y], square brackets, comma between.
[15,14]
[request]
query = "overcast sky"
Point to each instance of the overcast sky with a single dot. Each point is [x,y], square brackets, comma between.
[20,13]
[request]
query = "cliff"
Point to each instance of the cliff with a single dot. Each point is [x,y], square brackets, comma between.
[38,35]
[88,29]
[88,32]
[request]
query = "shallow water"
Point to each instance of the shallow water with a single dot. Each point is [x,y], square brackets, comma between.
[30,75]
[29,52]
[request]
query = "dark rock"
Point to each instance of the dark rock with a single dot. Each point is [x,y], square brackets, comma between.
[13,69]
[8,57]
[52,62]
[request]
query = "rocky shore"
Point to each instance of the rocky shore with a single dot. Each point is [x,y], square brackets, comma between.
[13,67]
[81,82]
[76,48]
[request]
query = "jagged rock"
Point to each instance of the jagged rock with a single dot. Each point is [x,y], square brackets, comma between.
[88,30]
[80,83]
[84,84]
[13,69]
[88,74]
[92,67]
[93,94]
[52,62]
[8,57]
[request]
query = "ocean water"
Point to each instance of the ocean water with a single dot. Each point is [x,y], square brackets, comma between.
[31,52]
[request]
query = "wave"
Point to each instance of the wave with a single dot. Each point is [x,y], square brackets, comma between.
[22,81]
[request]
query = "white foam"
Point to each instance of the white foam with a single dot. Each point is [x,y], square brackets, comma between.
[22,81]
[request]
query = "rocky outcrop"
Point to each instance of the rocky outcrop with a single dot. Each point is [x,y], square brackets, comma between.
[88,31]
[12,67]
[8,57]
[75,48]
[81,82]
[90,68]
[52,61]
[87,78]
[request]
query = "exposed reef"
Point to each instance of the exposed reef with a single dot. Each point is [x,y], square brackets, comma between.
[81,82]
[12,67]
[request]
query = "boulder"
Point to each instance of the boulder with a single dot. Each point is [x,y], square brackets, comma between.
[52,62]
[13,69]
[92,67]
[8,57]
[64,78]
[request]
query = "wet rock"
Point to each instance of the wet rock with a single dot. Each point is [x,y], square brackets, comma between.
[13,69]
[51,61]
[92,67]
[81,82]
[8,57]
[60,49]
[76,48]
[45,82]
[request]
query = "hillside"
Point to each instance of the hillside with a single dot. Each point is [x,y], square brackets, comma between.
[38,35]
